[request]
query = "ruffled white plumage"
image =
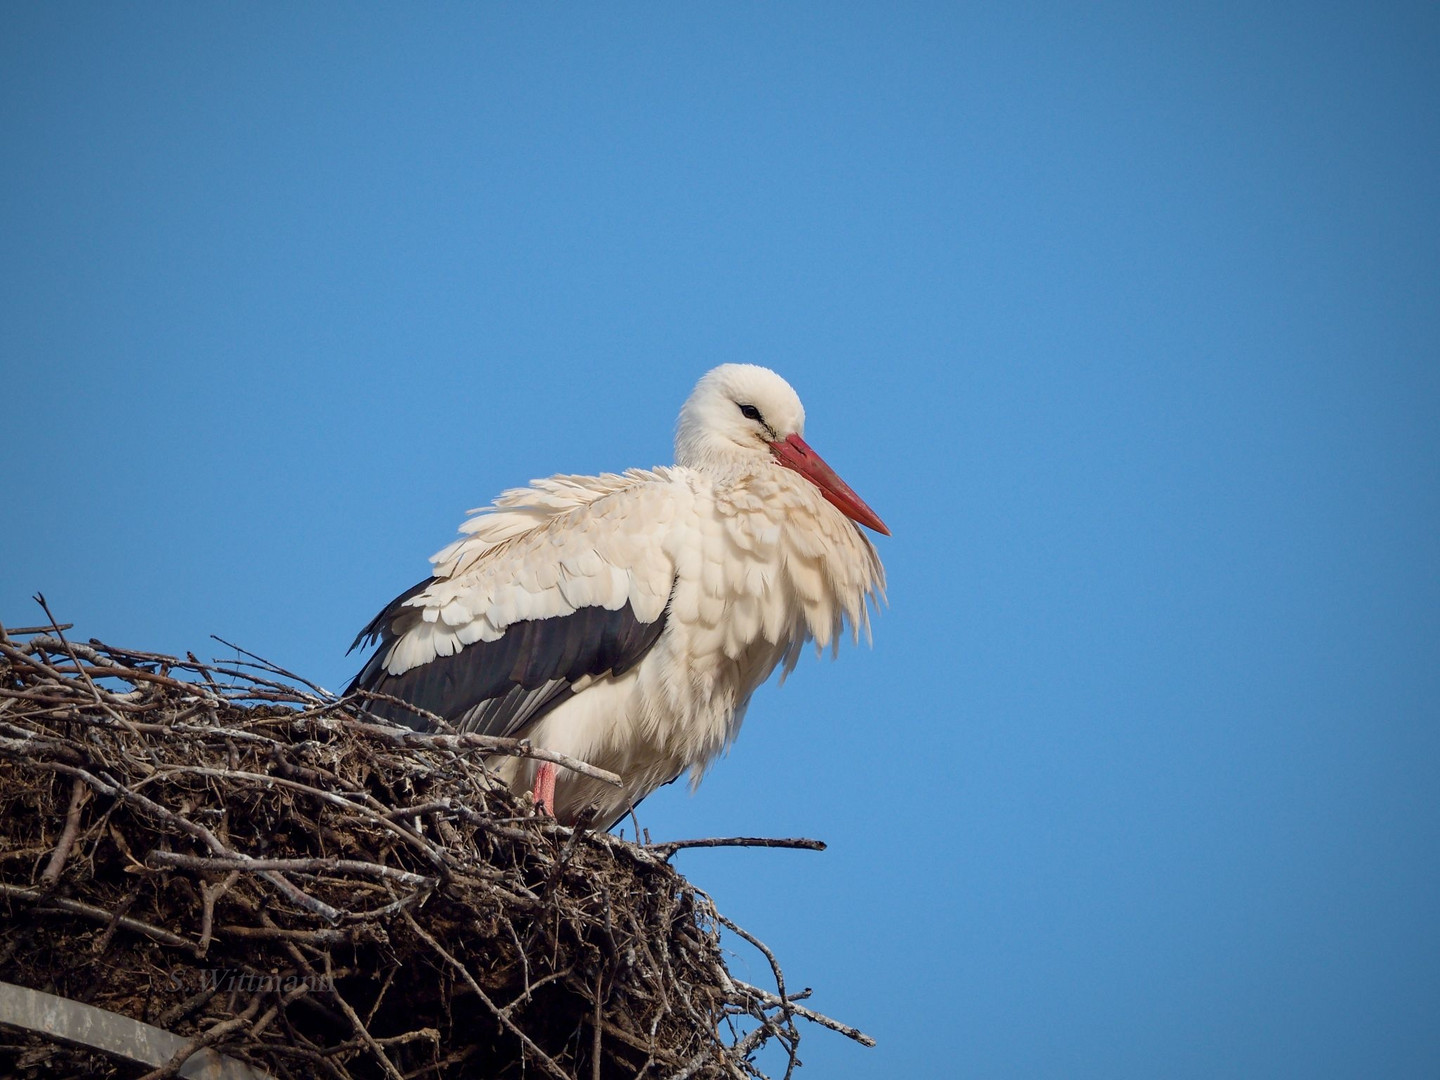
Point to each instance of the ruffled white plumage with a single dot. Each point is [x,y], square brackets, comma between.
[747,562]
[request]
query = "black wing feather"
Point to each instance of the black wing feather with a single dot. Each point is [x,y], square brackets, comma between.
[473,689]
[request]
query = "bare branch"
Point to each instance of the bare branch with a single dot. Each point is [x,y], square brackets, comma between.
[79,793]
[669,847]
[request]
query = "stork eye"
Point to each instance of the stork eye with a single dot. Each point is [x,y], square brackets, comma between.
[750,412]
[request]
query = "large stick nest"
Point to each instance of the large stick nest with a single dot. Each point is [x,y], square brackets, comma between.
[263,869]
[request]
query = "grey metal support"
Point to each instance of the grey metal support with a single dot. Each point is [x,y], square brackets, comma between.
[99,1029]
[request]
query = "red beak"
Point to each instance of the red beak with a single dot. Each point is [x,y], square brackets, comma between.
[794,454]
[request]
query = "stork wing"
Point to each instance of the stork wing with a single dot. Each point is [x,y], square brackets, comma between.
[498,687]
[555,585]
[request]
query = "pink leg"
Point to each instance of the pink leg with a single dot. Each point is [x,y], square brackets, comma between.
[544,791]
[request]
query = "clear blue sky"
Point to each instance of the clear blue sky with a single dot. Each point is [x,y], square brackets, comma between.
[1126,318]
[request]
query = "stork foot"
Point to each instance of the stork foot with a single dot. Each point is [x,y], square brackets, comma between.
[544,790]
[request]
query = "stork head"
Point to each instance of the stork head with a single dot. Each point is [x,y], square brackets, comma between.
[743,414]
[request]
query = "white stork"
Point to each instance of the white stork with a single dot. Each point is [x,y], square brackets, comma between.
[626,620]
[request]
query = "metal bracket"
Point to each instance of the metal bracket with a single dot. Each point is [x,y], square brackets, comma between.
[99,1029]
